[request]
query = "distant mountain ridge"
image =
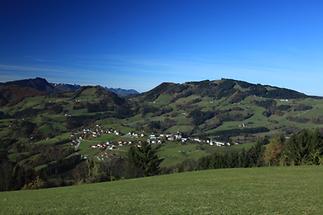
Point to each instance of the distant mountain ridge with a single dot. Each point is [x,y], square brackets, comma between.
[217,87]
[233,90]
[226,108]
[39,84]
[73,87]
[12,92]
[123,92]
[66,87]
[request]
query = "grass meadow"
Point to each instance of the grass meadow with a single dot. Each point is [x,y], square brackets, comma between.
[271,190]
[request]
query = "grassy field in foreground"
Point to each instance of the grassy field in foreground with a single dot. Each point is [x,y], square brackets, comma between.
[277,190]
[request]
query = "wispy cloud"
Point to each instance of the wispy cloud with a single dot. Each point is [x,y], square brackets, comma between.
[19,68]
[145,72]
[39,59]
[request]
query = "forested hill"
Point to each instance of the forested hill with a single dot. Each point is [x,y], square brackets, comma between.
[227,108]
[13,92]
[232,90]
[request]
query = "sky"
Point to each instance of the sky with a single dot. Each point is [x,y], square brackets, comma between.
[139,44]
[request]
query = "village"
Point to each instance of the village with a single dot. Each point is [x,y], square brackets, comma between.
[133,138]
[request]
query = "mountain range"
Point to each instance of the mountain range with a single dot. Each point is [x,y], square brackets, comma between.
[14,91]
[223,108]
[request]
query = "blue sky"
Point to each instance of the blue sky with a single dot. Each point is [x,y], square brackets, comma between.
[139,44]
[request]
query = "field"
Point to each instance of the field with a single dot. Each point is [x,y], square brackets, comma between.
[274,190]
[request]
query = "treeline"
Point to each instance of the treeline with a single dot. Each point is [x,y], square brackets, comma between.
[226,158]
[303,148]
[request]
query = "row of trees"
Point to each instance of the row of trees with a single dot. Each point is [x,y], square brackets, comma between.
[303,148]
[226,158]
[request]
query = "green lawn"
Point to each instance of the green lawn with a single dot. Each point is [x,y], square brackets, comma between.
[278,190]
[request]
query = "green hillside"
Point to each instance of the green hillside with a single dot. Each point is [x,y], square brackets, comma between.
[37,123]
[279,190]
[226,108]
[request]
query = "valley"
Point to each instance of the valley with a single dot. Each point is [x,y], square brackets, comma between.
[82,127]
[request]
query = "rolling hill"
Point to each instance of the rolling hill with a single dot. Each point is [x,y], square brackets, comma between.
[226,108]
[13,92]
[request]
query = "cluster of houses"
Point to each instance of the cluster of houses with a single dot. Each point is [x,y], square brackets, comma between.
[97,131]
[133,138]
[87,133]
[94,132]
[163,138]
[135,135]
[107,145]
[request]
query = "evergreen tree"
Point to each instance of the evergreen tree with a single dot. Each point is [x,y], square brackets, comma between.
[5,171]
[144,160]
[242,158]
[134,167]
[306,147]
[255,154]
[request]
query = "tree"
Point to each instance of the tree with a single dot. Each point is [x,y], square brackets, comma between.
[5,171]
[255,154]
[242,158]
[273,151]
[143,160]
[306,147]
[134,168]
